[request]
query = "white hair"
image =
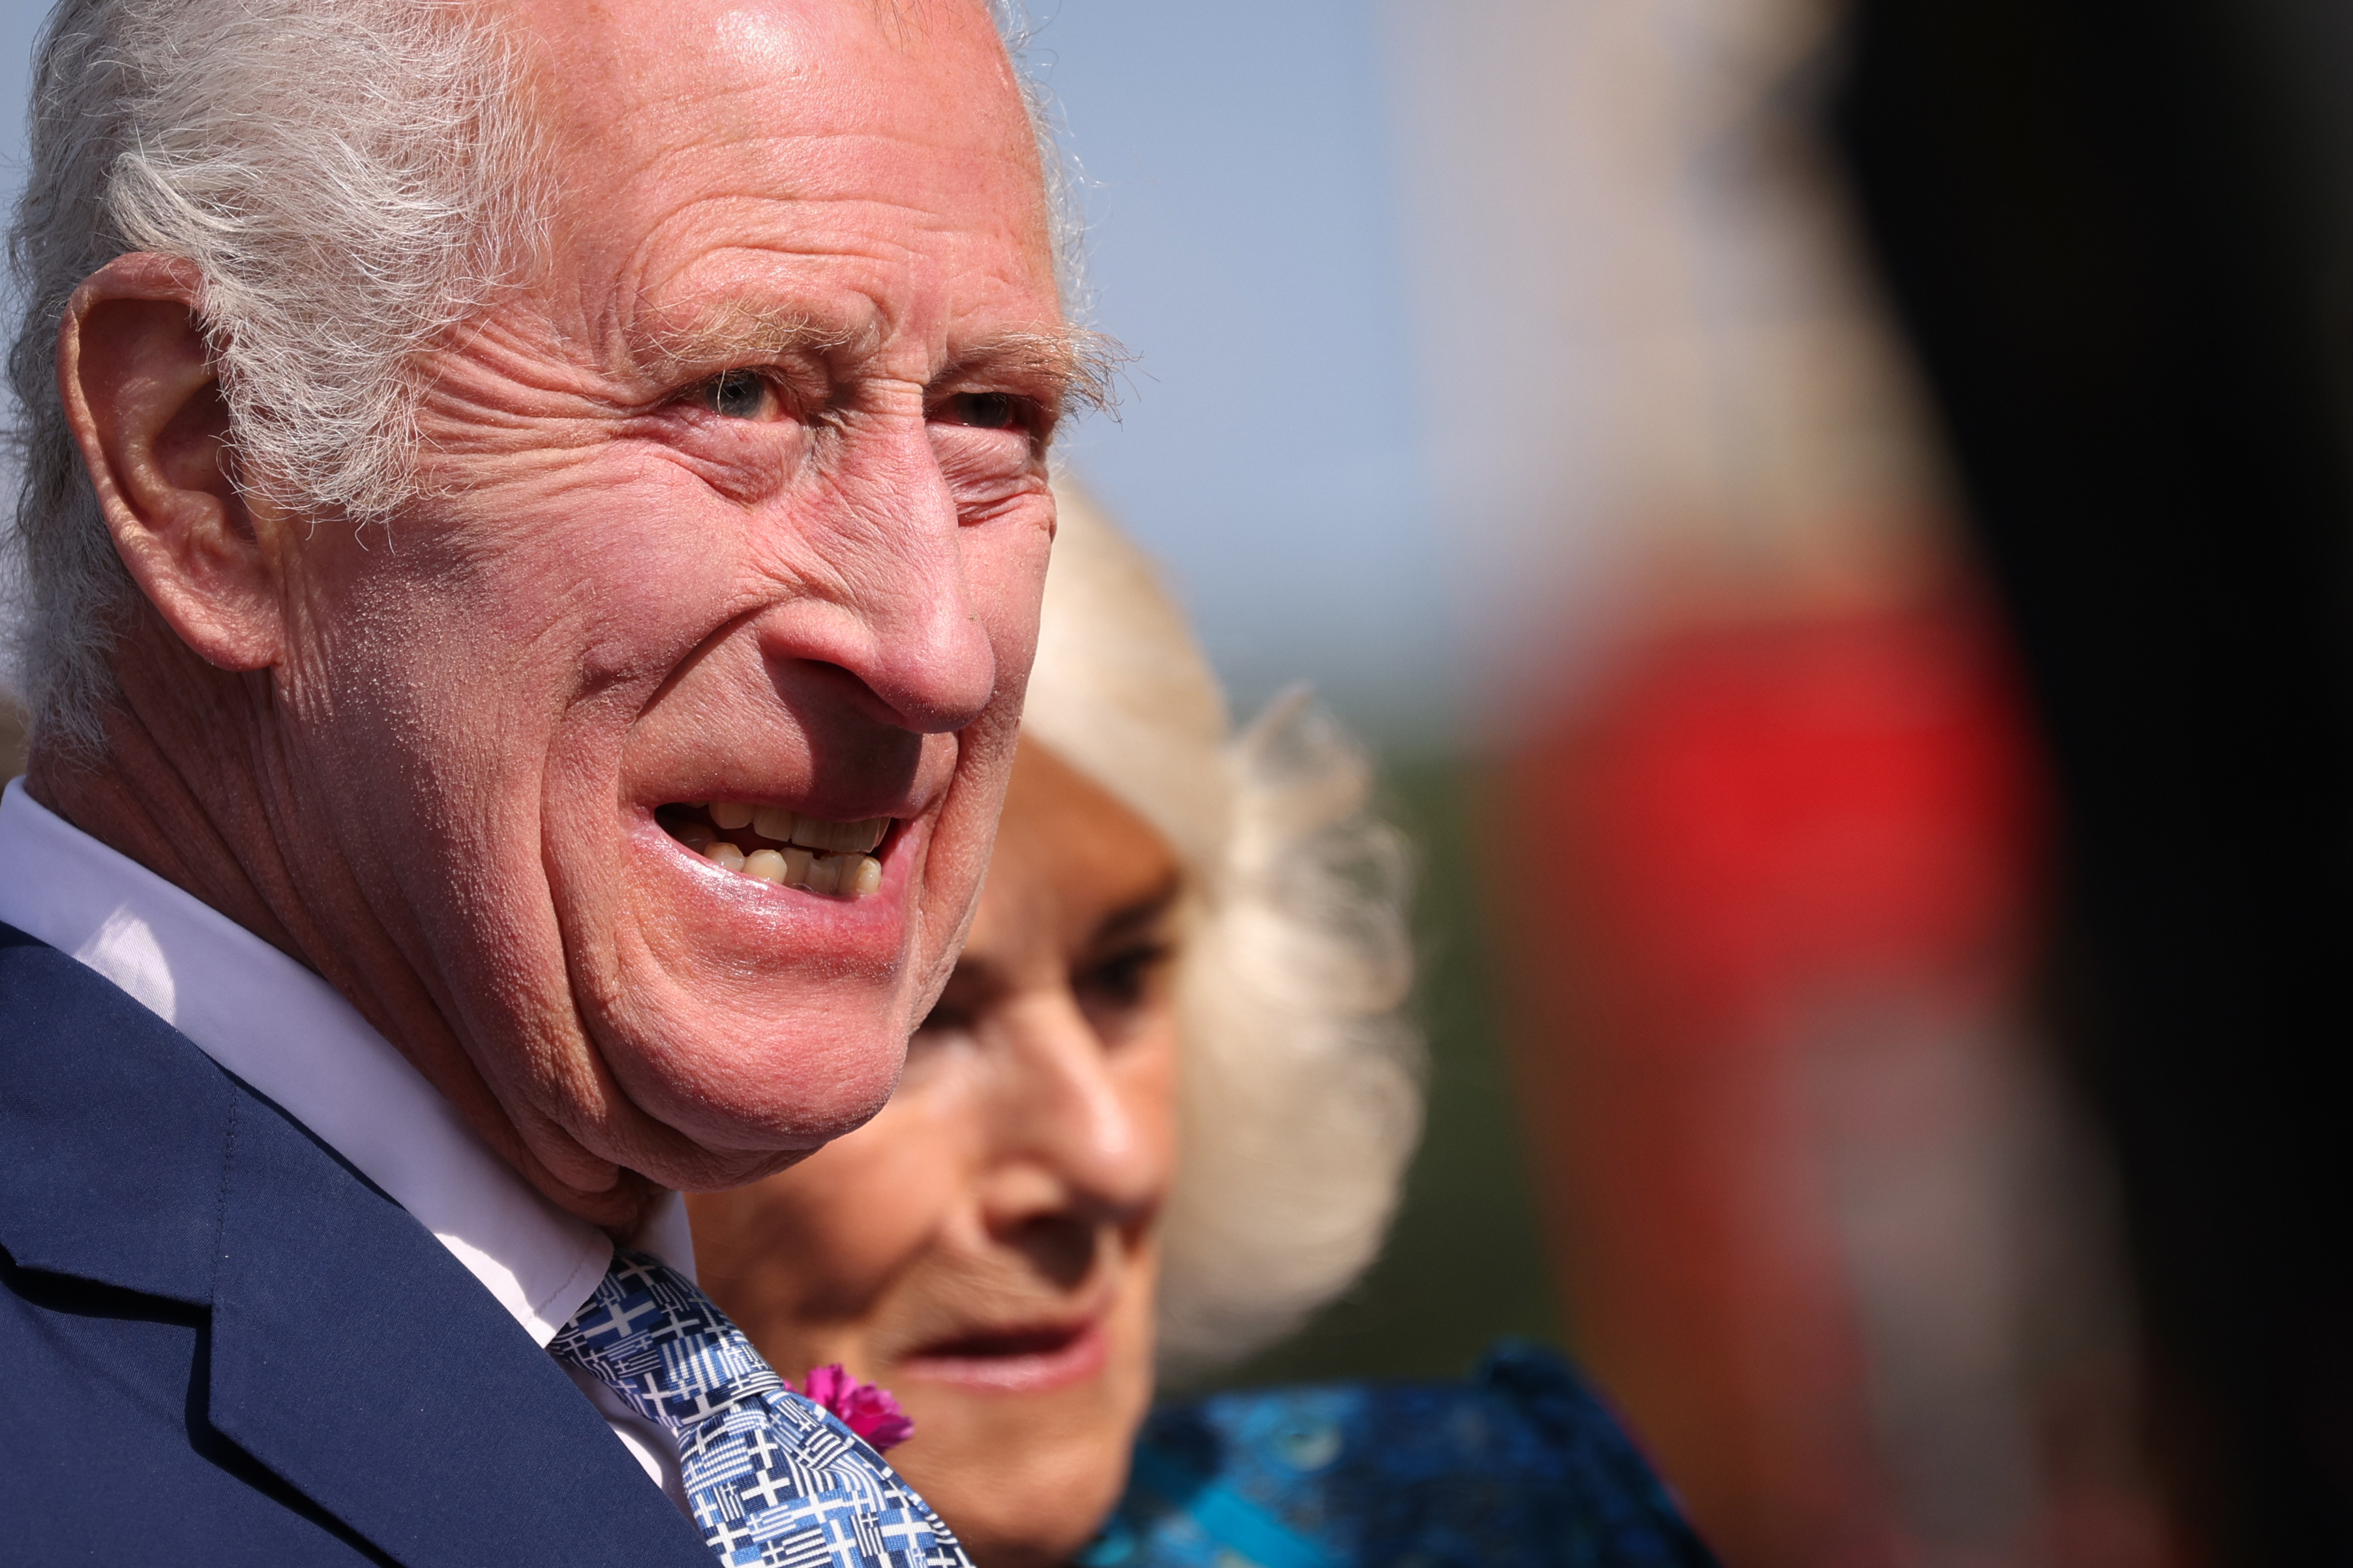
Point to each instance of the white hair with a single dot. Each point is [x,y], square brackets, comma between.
[351,178]
[1300,1101]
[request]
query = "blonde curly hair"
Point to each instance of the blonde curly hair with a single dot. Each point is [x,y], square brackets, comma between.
[1300,1093]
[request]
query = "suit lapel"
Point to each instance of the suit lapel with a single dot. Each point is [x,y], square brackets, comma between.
[425,1418]
[115,1130]
[349,1352]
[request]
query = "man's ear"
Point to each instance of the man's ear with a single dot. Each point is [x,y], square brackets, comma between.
[145,403]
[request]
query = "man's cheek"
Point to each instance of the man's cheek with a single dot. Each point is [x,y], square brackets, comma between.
[626,559]
[1006,565]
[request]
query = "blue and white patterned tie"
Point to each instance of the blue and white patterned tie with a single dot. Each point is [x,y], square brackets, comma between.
[774,1479]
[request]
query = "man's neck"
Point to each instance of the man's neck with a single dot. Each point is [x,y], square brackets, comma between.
[131,798]
[220,833]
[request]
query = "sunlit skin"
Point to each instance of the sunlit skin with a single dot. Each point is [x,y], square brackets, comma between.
[743,496]
[985,1247]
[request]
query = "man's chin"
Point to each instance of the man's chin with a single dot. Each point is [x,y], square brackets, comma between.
[716,1102]
[620,1196]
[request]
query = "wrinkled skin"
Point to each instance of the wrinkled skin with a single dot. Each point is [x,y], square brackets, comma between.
[743,496]
[984,1248]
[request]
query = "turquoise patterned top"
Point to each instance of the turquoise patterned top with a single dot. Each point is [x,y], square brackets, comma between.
[1519,1467]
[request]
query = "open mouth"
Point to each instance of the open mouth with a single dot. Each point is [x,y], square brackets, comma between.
[1021,1341]
[791,849]
[1029,1360]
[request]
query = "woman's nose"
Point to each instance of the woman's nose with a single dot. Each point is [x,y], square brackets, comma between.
[1069,1139]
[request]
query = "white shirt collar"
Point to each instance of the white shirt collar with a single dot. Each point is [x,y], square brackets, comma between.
[292,1037]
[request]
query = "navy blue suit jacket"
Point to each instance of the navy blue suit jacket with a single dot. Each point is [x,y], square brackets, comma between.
[220,1344]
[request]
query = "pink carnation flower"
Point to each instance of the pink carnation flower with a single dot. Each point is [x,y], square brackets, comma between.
[865,1408]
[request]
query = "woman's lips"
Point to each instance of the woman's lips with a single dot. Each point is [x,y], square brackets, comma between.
[1017,1361]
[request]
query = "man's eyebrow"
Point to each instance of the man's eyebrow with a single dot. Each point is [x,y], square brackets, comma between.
[1077,363]
[737,332]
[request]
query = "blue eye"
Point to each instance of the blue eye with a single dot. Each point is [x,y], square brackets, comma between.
[736,394]
[983,410]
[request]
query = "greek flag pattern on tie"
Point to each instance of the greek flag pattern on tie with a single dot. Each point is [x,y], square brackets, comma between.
[775,1479]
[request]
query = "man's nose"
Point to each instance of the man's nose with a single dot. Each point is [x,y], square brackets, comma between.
[1067,1144]
[905,617]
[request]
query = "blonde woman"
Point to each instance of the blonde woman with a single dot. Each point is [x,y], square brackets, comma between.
[1159,1116]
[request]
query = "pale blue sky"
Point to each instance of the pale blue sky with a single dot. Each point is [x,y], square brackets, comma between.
[1245,245]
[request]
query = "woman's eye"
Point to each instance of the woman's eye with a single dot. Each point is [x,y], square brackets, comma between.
[949,1015]
[735,395]
[1123,979]
[982,410]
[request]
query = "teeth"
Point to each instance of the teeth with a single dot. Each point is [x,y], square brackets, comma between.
[841,837]
[773,822]
[831,857]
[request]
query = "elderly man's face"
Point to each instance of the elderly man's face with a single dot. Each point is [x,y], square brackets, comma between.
[744,500]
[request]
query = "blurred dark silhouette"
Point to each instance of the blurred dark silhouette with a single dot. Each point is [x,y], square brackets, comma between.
[2118,235]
